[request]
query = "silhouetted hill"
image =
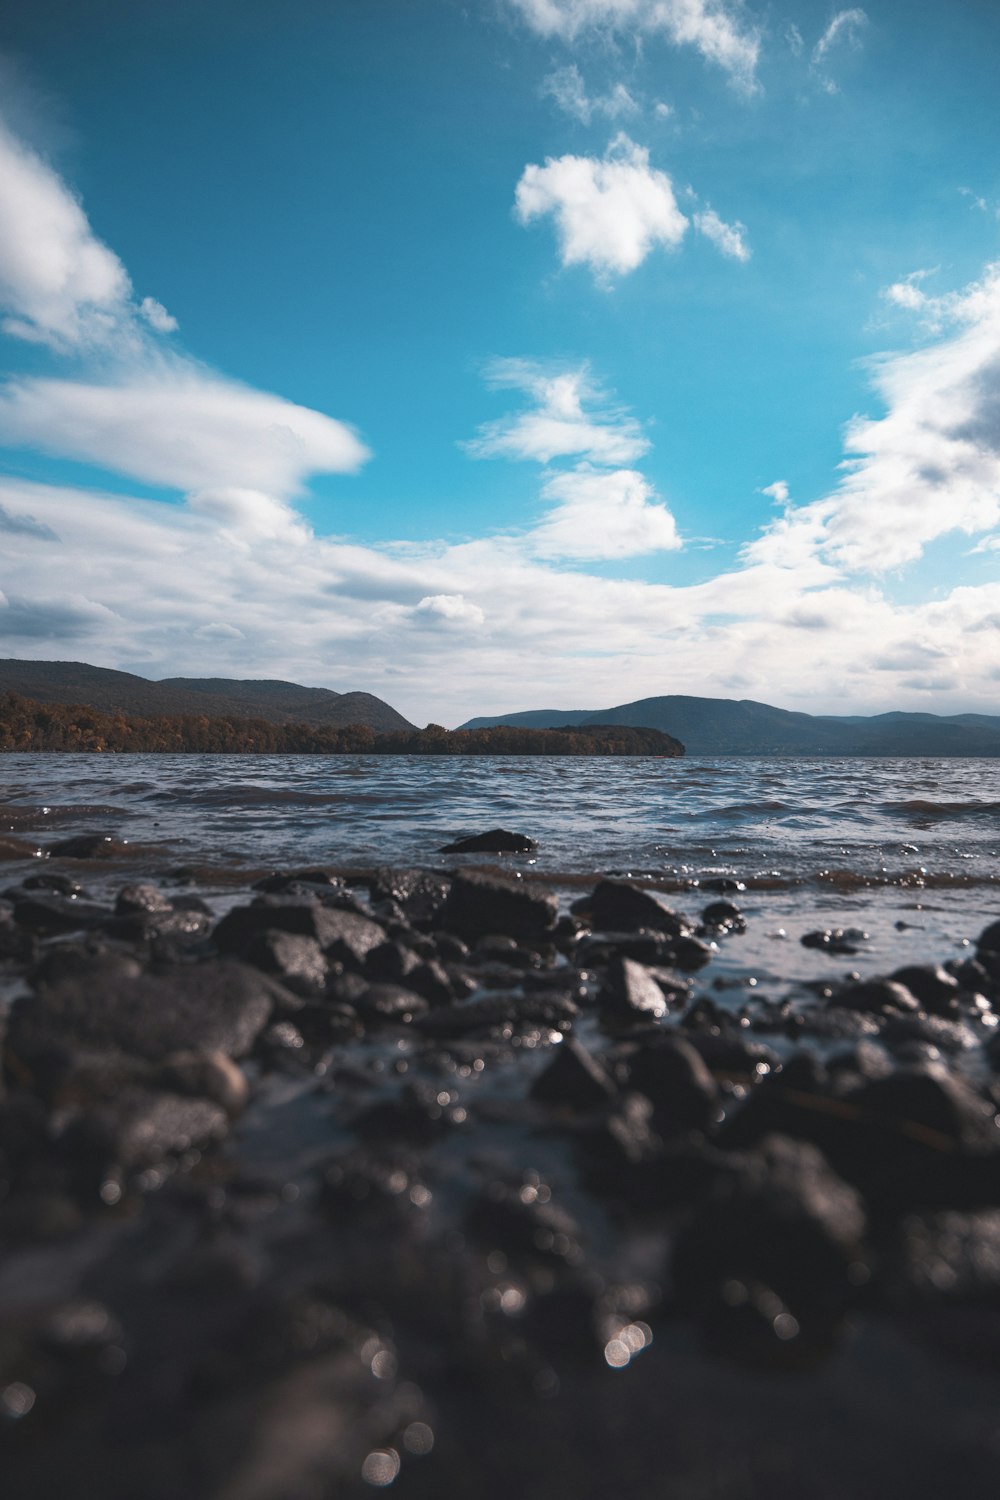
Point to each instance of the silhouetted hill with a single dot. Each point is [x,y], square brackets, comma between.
[74,682]
[729,726]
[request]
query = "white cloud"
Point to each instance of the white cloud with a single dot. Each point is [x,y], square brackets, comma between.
[59,285]
[844,30]
[931,464]
[450,610]
[558,426]
[177,424]
[730,239]
[566,87]
[778,491]
[715,28]
[610,212]
[488,626]
[156,315]
[600,514]
[905,294]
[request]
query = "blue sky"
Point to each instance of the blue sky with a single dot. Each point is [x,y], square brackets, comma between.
[505,355]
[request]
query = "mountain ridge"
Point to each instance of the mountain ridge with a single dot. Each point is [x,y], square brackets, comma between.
[743,726]
[111,691]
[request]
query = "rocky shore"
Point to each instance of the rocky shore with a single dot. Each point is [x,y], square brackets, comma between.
[439,1181]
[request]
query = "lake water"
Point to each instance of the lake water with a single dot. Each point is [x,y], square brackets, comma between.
[889,846]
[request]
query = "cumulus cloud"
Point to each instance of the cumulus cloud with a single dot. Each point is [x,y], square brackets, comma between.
[718,29]
[571,417]
[59,285]
[602,514]
[930,464]
[156,315]
[26,525]
[610,211]
[451,611]
[730,239]
[565,86]
[778,491]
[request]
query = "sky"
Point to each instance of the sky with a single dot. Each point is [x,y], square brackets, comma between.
[506,355]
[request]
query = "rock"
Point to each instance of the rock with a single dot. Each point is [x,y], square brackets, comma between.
[297,960]
[521,1220]
[690,953]
[723,916]
[934,1031]
[624,1139]
[936,989]
[52,913]
[671,1074]
[883,997]
[617,905]
[344,936]
[480,904]
[218,1006]
[574,1079]
[298,882]
[835,940]
[419,1114]
[496,841]
[206,1075]
[989,939]
[950,1257]
[519,1012]
[140,898]
[420,894]
[138,1128]
[782,1223]
[89,846]
[649,948]
[387,1185]
[390,1002]
[390,961]
[630,992]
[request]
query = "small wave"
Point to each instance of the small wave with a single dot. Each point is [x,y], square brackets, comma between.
[925,808]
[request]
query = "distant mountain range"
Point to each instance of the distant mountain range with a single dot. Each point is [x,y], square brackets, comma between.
[75,682]
[730,726]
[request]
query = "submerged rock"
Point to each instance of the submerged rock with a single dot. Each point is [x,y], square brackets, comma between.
[496,841]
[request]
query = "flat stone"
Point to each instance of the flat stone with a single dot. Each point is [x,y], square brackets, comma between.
[480,904]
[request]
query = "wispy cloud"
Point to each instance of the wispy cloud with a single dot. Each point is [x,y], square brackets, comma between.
[718,29]
[571,417]
[565,86]
[845,30]
[730,239]
[602,514]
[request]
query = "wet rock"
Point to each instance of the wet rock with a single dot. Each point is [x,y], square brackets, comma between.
[783,1223]
[419,1114]
[631,993]
[297,882]
[936,989]
[722,885]
[434,983]
[133,899]
[723,916]
[519,1012]
[138,1128]
[496,841]
[344,936]
[298,961]
[733,1055]
[672,1075]
[391,962]
[480,904]
[835,940]
[521,1220]
[219,1006]
[206,1075]
[574,1079]
[617,905]
[649,948]
[934,1031]
[884,997]
[51,913]
[47,880]
[624,1139]
[389,1002]
[950,1257]
[691,953]
[989,939]
[374,1183]
[89,846]
[420,894]
[931,1107]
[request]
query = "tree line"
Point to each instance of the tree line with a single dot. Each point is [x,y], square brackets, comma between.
[55,727]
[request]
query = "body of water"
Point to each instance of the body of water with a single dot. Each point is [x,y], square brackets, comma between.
[905,851]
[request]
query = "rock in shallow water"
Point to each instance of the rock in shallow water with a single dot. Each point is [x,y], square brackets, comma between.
[496,841]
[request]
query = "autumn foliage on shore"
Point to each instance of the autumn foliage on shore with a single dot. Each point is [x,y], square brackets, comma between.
[55,727]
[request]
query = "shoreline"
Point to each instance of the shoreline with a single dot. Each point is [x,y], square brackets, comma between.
[363,1177]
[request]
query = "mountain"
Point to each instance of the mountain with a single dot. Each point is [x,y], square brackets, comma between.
[75,682]
[729,726]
